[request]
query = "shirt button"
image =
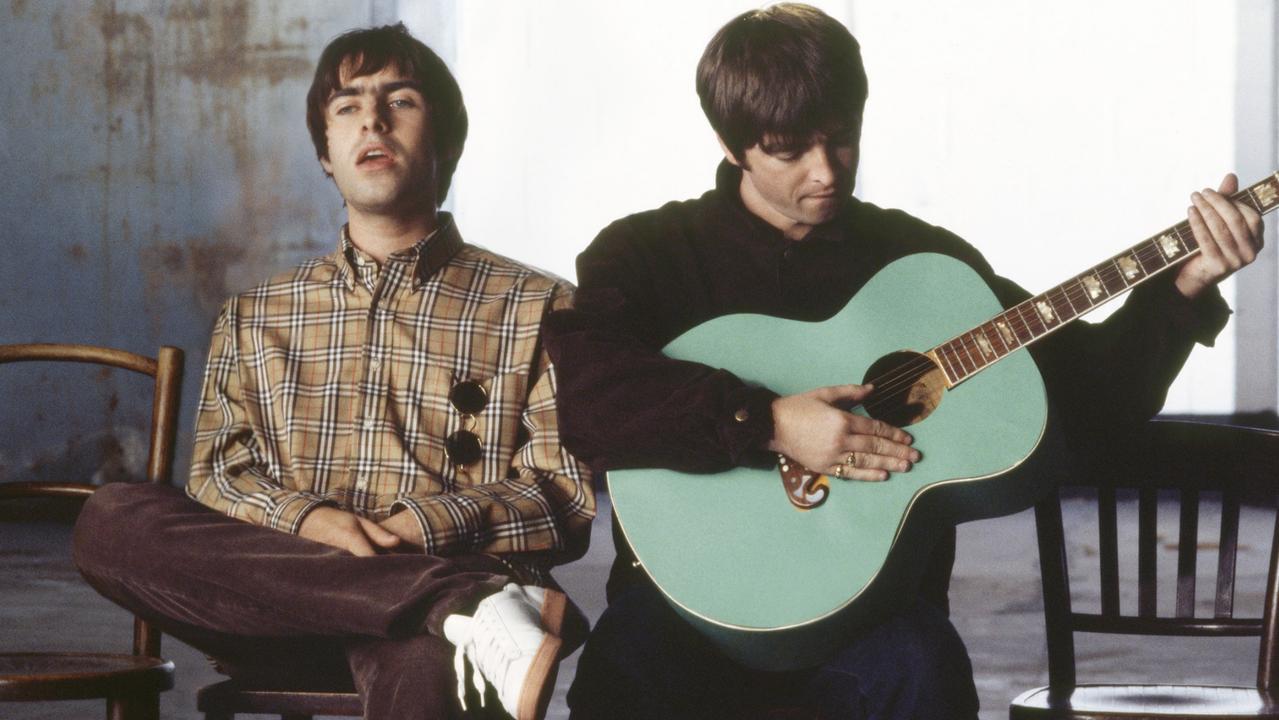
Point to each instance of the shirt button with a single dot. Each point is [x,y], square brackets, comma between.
[376,364]
[742,415]
[368,424]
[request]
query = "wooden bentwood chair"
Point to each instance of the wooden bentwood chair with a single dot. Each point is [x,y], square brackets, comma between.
[131,684]
[1190,460]
[223,700]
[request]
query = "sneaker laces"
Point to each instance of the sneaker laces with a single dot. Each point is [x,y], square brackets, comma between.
[477,678]
[468,652]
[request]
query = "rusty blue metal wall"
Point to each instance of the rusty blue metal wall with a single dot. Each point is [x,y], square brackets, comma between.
[154,159]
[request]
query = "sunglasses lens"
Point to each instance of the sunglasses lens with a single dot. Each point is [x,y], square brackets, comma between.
[463,448]
[469,397]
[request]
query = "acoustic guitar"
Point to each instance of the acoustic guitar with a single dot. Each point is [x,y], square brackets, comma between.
[776,567]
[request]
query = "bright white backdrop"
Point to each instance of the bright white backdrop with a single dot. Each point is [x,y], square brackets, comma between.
[1049,135]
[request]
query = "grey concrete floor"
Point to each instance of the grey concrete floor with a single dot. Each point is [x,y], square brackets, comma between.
[994,596]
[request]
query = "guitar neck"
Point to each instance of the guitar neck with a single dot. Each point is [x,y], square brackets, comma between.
[971,352]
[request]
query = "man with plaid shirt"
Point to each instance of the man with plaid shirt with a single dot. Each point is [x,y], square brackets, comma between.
[380,482]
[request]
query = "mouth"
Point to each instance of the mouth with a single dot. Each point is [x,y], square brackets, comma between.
[375,156]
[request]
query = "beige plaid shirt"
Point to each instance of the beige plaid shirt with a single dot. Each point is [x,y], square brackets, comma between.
[330,385]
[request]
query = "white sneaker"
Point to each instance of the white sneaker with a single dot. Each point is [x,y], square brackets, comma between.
[560,617]
[510,643]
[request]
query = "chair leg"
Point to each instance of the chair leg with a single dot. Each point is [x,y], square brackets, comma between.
[145,707]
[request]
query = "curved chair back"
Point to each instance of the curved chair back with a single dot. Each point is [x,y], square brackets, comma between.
[166,369]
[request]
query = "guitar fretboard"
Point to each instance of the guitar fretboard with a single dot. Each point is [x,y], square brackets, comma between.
[969,353]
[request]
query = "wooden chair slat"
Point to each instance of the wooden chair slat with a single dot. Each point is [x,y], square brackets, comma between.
[1268,662]
[1225,603]
[1187,553]
[64,352]
[1166,626]
[1055,577]
[27,677]
[1108,549]
[29,490]
[230,697]
[1147,529]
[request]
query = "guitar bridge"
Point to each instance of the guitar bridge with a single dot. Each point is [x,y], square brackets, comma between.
[804,488]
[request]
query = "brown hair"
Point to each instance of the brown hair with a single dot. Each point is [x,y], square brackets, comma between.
[780,75]
[369,50]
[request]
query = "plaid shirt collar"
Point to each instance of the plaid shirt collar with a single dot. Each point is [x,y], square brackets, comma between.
[427,255]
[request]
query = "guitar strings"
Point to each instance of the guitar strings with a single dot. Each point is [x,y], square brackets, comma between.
[894,382]
[1070,292]
[890,385]
[1146,253]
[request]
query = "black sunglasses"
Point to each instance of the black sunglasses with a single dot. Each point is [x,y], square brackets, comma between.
[463,447]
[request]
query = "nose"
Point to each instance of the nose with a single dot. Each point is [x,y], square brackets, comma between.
[823,164]
[376,119]
[832,163]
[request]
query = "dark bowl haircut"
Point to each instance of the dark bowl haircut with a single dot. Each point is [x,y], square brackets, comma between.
[371,50]
[779,76]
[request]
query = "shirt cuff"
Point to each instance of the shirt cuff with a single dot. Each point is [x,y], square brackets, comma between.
[289,514]
[746,425]
[1201,318]
[445,525]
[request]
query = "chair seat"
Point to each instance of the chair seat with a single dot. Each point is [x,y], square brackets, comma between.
[78,676]
[1144,701]
[232,696]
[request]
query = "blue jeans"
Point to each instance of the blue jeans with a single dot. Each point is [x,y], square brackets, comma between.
[643,661]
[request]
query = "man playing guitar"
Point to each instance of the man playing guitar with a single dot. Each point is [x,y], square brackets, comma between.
[780,234]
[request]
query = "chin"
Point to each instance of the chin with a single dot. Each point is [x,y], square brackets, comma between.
[817,218]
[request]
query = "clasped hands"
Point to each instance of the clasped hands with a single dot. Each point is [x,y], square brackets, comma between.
[360,536]
[811,429]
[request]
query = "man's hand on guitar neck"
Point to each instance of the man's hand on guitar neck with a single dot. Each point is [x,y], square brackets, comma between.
[1229,234]
[811,430]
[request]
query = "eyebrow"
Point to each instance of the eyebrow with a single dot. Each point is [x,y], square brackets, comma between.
[388,88]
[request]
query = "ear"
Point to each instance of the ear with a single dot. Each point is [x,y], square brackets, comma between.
[728,154]
[328,166]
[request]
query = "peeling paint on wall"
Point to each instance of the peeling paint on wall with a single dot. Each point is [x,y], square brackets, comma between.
[158,161]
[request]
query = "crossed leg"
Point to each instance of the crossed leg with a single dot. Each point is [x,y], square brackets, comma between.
[284,609]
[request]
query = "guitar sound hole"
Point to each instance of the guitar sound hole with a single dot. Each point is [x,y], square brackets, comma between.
[908,387]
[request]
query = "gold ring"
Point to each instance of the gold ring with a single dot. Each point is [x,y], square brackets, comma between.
[851,460]
[839,471]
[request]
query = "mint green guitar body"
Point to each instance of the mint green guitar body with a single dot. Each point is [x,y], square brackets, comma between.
[779,588]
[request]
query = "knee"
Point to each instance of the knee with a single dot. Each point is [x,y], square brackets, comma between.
[639,633]
[914,665]
[109,521]
[643,661]
[926,641]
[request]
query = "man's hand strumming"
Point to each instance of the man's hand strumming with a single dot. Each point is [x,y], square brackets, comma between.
[810,429]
